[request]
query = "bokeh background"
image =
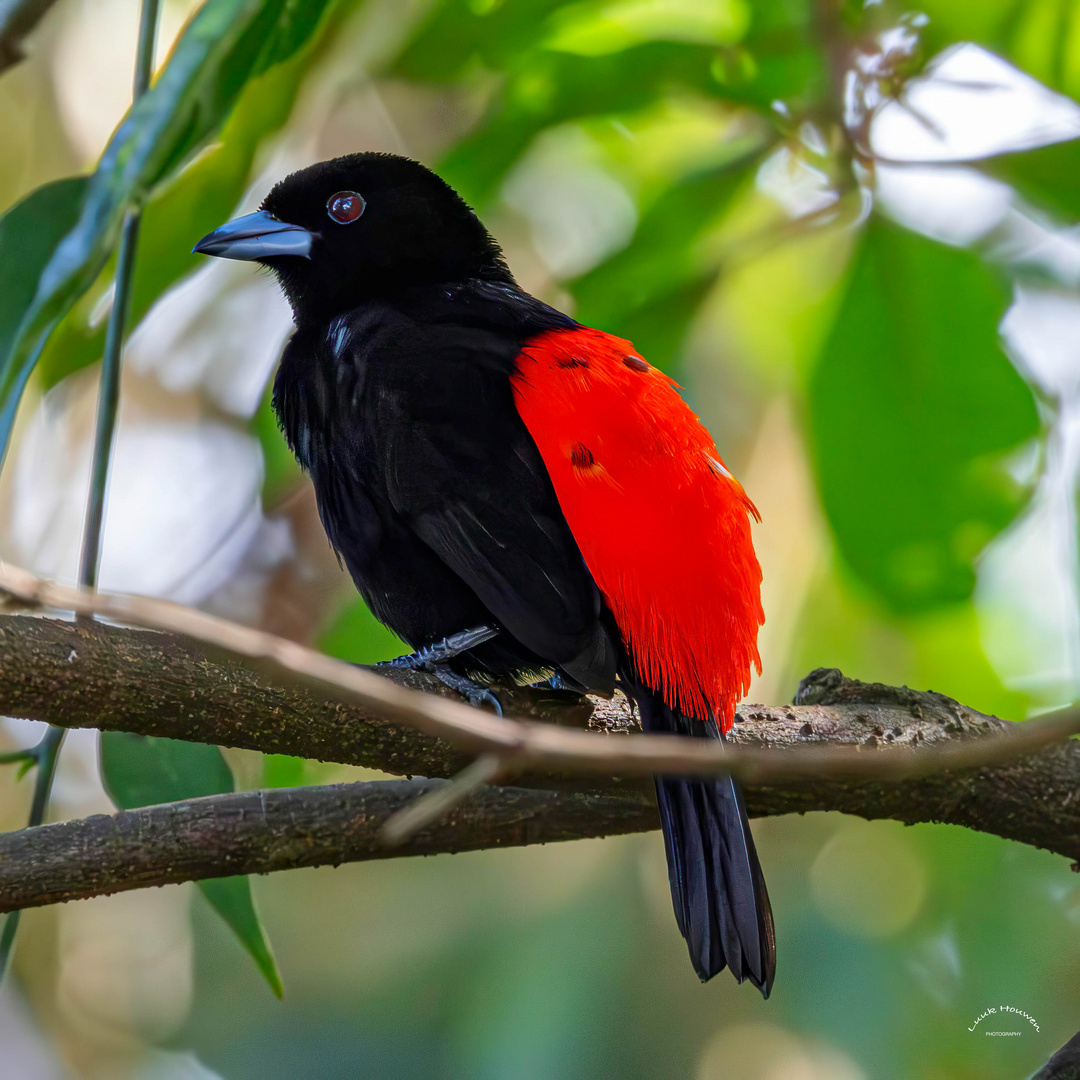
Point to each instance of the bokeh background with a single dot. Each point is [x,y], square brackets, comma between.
[850,231]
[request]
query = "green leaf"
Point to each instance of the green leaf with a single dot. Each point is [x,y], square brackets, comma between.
[143,770]
[913,405]
[461,32]
[29,234]
[650,291]
[549,88]
[281,471]
[357,636]
[283,770]
[658,328]
[665,254]
[231,898]
[1048,177]
[179,212]
[227,43]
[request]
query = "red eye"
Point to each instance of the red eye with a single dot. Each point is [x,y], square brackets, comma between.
[345,206]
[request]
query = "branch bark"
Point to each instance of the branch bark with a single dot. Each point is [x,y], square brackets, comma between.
[97,675]
[521,744]
[260,831]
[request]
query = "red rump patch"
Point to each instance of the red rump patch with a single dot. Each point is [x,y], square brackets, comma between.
[663,527]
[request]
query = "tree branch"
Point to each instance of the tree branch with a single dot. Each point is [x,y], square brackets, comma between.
[133,680]
[261,831]
[849,745]
[544,747]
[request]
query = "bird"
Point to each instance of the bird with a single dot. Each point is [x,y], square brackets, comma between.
[521,498]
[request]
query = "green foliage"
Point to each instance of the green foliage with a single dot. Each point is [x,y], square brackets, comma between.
[181,210]
[56,242]
[142,770]
[29,235]
[282,471]
[1047,177]
[228,43]
[563,62]
[650,291]
[912,406]
[357,636]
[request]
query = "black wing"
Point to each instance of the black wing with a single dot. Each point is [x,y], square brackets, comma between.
[464,475]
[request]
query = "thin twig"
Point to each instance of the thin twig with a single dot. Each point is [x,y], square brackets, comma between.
[109,388]
[46,754]
[433,804]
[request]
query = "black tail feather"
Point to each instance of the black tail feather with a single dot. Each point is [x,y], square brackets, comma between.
[717,887]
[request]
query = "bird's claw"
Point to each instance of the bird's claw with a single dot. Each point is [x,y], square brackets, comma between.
[475,694]
[485,697]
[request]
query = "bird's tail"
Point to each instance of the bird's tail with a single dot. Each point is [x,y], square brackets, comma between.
[717,887]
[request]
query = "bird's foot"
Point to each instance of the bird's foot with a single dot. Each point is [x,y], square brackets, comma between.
[438,652]
[474,693]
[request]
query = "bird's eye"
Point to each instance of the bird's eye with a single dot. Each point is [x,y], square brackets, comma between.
[345,207]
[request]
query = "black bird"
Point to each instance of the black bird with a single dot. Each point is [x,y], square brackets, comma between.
[518,496]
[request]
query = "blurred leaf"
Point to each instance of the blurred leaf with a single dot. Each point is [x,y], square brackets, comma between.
[912,406]
[357,636]
[199,199]
[1038,36]
[142,770]
[552,88]
[550,78]
[990,23]
[781,58]
[29,234]
[650,291]
[227,43]
[658,328]
[1039,39]
[1048,177]
[461,32]
[597,27]
[281,471]
[17,21]
[664,252]
[283,770]
[231,898]
[777,56]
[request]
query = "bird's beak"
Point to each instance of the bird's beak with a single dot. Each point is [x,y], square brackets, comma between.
[256,236]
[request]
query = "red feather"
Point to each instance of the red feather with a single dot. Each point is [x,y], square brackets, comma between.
[662,525]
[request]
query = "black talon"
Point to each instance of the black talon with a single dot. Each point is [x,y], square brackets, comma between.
[474,693]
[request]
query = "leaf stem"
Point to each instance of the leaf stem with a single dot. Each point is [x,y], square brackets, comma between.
[47,752]
[13,756]
[109,390]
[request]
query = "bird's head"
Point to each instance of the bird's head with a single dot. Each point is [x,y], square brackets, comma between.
[358,227]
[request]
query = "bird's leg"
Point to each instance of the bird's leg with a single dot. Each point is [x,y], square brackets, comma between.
[438,652]
[434,658]
[474,693]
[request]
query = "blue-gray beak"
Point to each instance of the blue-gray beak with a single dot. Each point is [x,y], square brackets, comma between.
[256,236]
